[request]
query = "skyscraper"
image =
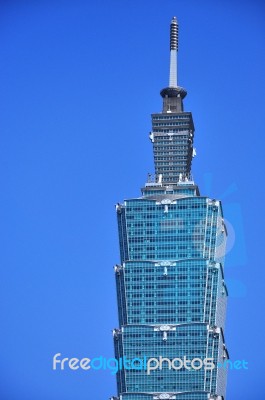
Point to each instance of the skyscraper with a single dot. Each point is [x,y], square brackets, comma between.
[170,283]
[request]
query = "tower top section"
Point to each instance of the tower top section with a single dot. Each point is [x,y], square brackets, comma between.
[173,90]
[174,34]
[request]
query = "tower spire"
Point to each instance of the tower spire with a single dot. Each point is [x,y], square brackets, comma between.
[173,95]
[174,37]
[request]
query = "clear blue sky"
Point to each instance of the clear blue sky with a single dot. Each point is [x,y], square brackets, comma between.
[78,82]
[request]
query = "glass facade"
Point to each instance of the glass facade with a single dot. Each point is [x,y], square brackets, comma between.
[170,284]
[172,138]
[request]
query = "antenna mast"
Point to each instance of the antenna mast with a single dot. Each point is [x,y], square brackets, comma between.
[174,39]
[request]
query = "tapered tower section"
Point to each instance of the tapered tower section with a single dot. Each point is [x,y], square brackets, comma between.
[170,282]
[173,130]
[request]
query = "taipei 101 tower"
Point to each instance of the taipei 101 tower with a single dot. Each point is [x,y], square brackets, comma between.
[170,283]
